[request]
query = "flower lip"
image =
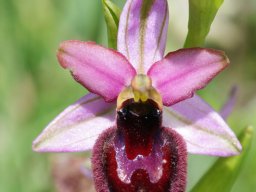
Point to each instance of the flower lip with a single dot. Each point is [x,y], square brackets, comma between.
[138,123]
[126,166]
[163,170]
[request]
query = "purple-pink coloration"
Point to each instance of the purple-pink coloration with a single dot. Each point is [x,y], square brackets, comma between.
[228,106]
[81,124]
[85,57]
[203,129]
[186,71]
[142,145]
[102,71]
[152,31]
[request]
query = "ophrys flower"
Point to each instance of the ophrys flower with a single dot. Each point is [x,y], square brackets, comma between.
[147,88]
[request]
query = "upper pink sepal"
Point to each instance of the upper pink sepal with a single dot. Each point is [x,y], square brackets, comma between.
[183,72]
[142,32]
[77,127]
[102,71]
[203,129]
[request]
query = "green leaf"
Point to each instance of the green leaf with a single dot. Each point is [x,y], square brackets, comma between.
[201,15]
[112,14]
[224,172]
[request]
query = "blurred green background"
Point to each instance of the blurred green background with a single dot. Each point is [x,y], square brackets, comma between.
[34,88]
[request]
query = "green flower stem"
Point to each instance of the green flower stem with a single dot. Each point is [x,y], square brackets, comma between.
[201,16]
[112,14]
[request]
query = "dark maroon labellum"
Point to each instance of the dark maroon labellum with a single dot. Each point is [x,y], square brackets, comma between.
[139,155]
[137,124]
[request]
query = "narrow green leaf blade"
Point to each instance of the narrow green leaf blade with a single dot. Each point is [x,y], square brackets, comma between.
[112,14]
[224,172]
[201,16]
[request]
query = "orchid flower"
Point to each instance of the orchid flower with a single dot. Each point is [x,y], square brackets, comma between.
[141,117]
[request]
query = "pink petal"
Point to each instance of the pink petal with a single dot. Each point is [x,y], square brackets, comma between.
[77,127]
[183,72]
[102,71]
[142,32]
[204,131]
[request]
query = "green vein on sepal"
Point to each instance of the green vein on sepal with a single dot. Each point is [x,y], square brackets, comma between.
[222,175]
[144,13]
[111,14]
[201,16]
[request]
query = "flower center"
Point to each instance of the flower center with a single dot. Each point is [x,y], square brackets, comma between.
[140,90]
